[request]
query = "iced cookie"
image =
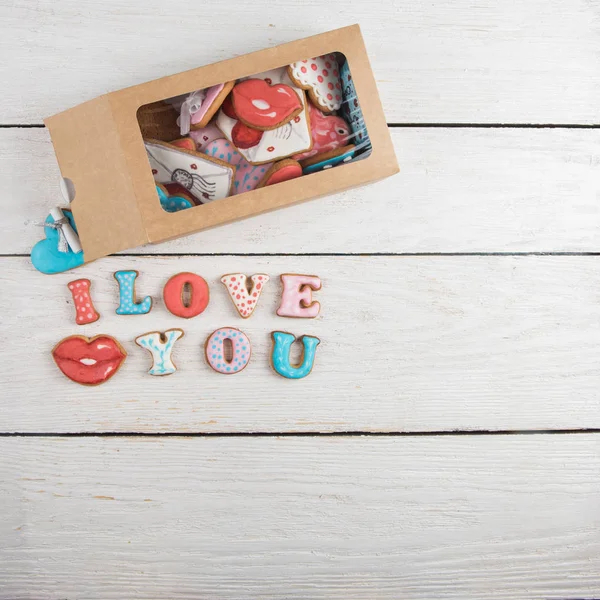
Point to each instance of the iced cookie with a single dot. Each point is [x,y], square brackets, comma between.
[160,345]
[265,105]
[280,355]
[89,361]
[216,352]
[205,136]
[244,297]
[259,147]
[296,297]
[85,313]
[320,76]
[206,178]
[172,203]
[352,112]
[199,107]
[320,162]
[186,295]
[328,132]
[247,177]
[128,304]
[283,170]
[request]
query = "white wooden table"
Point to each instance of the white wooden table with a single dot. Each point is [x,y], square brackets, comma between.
[461,306]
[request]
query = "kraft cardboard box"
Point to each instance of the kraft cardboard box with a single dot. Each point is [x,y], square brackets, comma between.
[100,147]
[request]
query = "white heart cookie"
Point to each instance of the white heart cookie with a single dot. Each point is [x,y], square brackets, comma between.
[321,77]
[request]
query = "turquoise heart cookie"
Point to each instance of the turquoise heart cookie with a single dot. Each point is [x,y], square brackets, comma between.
[46,256]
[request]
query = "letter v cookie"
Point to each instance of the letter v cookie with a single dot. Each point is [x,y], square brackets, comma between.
[244,299]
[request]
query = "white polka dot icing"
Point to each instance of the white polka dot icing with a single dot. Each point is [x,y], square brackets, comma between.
[321,77]
[127,303]
[215,350]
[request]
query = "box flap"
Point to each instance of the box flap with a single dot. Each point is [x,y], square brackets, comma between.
[90,153]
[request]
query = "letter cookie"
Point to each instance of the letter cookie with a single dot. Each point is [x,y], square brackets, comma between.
[280,357]
[85,312]
[89,361]
[243,299]
[296,298]
[321,77]
[173,295]
[216,355]
[160,345]
[127,299]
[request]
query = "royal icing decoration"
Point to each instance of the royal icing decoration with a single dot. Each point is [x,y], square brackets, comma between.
[160,345]
[321,77]
[89,361]
[296,297]
[328,159]
[206,178]
[85,312]
[175,290]
[205,136]
[244,299]
[198,107]
[259,147]
[264,106]
[127,299]
[328,133]
[280,357]
[172,203]
[247,176]
[284,170]
[353,114]
[47,255]
[216,355]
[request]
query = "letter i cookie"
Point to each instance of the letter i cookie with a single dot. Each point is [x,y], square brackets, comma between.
[244,299]
[85,312]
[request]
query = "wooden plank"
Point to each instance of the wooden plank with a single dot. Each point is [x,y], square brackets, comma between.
[434,62]
[466,190]
[408,344]
[476,517]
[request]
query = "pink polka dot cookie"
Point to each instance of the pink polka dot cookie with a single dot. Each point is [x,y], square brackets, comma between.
[217,352]
[85,312]
[320,76]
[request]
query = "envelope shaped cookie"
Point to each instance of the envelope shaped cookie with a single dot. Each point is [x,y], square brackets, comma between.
[292,138]
[205,177]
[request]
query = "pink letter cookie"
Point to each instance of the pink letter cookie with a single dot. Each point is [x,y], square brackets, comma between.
[244,299]
[296,298]
[84,307]
[216,354]
[321,77]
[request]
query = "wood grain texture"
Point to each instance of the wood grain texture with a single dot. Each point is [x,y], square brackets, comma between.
[408,344]
[467,190]
[528,62]
[509,517]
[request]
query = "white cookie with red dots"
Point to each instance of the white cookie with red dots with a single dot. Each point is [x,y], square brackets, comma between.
[320,76]
[245,298]
[291,138]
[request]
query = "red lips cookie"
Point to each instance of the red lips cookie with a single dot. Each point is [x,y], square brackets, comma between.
[89,361]
[262,106]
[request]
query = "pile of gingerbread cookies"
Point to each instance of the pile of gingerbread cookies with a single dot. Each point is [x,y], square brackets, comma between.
[257,131]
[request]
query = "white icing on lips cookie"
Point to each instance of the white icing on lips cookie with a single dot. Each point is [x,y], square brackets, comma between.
[205,177]
[276,143]
[321,77]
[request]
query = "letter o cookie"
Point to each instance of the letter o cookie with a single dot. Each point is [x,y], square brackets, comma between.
[199,295]
[215,350]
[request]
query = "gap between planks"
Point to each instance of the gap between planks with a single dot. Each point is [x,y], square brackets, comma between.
[302,434]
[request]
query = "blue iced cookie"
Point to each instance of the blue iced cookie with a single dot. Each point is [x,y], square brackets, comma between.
[326,161]
[45,255]
[172,203]
[352,112]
